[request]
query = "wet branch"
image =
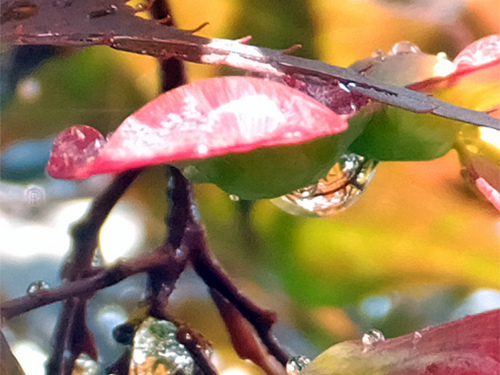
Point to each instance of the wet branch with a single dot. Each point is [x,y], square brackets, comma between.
[72,334]
[112,23]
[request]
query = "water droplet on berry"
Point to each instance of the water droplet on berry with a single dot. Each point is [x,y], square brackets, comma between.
[234,198]
[343,187]
[296,364]
[371,338]
[37,286]
[74,148]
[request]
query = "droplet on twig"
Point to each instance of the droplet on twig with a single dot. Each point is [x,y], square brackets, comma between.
[37,286]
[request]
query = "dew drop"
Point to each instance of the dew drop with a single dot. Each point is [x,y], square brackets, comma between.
[343,187]
[370,338]
[37,286]
[296,364]
[234,198]
[403,47]
[74,148]
[156,347]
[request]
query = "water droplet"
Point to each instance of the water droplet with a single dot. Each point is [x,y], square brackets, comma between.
[370,338]
[296,364]
[234,198]
[343,187]
[84,365]
[156,346]
[28,90]
[36,286]
[378,53]
[34,195]
[98,259]
[74,148]
[417,336]
[202,149]
[403,47]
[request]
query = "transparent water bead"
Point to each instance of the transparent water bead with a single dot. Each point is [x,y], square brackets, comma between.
[156,348]
[343,187]
[370,338]
[36,286]
[296,364]
[404,47]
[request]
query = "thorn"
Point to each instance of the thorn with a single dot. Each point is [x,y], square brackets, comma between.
[292,49]
[244,40]
[165,20]
[195,30]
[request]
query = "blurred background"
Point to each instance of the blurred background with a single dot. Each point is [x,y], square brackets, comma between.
[419,248]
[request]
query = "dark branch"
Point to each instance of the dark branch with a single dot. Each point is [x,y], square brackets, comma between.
[121,29]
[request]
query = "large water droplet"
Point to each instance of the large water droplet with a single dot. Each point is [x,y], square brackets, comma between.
[156,347]
[370,338]
[296,364]
[36,286]
[403,47]
[343,187]
[74,148]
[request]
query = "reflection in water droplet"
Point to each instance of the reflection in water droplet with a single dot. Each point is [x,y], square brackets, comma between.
[404,47]
[85,365]
[74,148]
[234,198]
[343,187]
[370,338]
[36,286]
[156,346]
[296,364]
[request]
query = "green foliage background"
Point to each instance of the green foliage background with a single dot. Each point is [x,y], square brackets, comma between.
[418,237]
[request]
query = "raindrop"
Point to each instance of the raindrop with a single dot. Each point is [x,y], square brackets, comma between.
[403,47]
[156,346]
[342,187]
[234,198]
[36,286]
[28,90]
[74,148]
[370,338]
[296,364]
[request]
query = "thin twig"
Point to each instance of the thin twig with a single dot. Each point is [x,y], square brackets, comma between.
[72,333]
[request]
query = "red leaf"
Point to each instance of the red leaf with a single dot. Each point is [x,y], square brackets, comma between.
[207,118]
[470,346]
[480,55]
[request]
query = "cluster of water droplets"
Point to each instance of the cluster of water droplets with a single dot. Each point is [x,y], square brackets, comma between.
[371,338]
[296,364]
[342,187]
[37,286]
[84,365]
[156,346]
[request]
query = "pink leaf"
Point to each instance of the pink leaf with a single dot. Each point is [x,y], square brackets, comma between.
[470,346]
[480,55]
[489,192]
[207,118]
